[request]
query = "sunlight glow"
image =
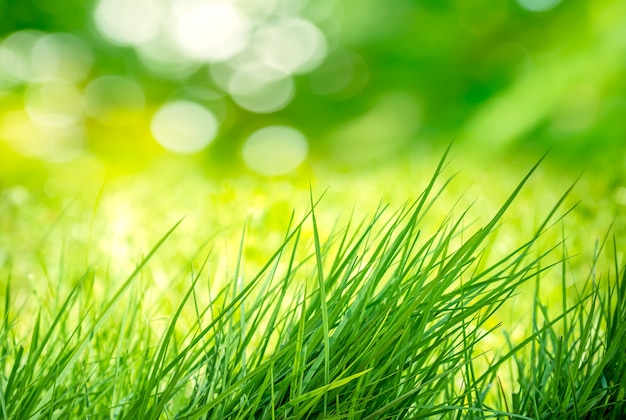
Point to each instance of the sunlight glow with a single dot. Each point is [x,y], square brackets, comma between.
[209,30]
[31,56]
[260,9]
[54,104]
[538,5]
[343,72]
[128,22]
[378,134]
[266,97]
[27,137]
[164,58]
[247,74]
[252,47]
[291,45]
[184,126]
[61,56]
[254,85]
[275,150]
[114,100]
[15,60]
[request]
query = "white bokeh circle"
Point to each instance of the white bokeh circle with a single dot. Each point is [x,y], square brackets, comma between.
[184,126]
[275,150]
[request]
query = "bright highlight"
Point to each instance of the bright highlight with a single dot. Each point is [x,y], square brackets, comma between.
[538,5]
[128,22]
[292,45]
[275,150]
[209,30]
[184,127]
[114,100]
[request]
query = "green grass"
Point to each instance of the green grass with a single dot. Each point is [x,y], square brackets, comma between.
[392,315]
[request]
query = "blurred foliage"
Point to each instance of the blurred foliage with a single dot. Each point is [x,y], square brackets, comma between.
[388,77]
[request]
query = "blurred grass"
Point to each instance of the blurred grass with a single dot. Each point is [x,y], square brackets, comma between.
[110,219]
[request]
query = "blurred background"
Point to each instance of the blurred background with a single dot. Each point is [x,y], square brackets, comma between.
[271,87]
[119,117]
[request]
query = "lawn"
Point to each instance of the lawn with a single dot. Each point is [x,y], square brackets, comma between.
[463,288]
[294,209]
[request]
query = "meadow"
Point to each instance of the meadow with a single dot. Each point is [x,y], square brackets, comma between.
[235,209]
[419,289]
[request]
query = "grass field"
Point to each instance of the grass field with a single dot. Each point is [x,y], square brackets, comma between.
[409,291]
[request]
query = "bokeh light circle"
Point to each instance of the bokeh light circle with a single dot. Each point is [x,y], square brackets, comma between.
[128,22]
[343,73]
[292,45]
[29,138]
[275,150]
[15,56]
[264,98]
[61,56]
[54,104]
[212,30]
[114,100]
[163,58]
[538,5]
[249,74]
[184,126]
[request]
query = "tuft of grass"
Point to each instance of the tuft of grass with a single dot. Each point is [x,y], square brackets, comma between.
[383,318]
[579,369]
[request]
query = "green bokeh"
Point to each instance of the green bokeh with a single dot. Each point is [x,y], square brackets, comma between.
[398,75]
